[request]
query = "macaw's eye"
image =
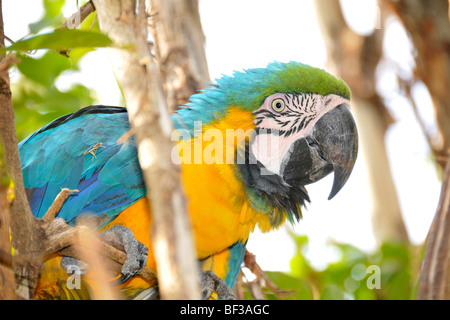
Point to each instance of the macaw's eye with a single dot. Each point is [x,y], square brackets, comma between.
[278,105]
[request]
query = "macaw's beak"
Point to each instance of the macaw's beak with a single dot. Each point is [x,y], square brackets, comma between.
[331,146]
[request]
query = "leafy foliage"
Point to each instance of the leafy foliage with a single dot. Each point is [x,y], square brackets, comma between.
[386,274]
[52,17]
[62,39]
[37,100]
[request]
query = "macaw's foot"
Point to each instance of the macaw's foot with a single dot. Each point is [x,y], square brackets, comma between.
[210,283]
[74,266]
[137,252]
[120,236]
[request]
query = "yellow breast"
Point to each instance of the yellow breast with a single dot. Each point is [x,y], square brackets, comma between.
[216,200]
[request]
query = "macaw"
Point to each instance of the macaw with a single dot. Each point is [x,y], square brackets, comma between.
[290,125]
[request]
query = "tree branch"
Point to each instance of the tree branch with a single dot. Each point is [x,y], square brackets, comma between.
[179,48]
[61,238]
[25,237]
[7,283]
[427,23]
[434,281]
[125,22]
[57,204]
[78,17]
[255,285]
[35,240]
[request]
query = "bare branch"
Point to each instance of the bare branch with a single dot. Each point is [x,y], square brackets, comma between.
[434,281]
[179,48]
[25,237]
[78,17]
[125,22]
[57,204]
[255,285]
[61,238]
[428,26]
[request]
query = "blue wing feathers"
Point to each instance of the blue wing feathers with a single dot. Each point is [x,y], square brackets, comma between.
[57,156]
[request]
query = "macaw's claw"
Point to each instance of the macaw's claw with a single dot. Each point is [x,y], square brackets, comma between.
[210,283]
[137,252]
[74,266]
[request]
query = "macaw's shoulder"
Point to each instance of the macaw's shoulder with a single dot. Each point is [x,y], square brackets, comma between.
[81,151]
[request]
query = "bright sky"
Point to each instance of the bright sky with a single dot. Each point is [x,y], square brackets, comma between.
[252,33]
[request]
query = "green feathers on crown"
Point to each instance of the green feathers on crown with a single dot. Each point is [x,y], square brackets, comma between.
[249,88]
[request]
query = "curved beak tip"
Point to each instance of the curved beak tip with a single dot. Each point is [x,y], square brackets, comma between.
[332,146]
[341,176]
[341,147]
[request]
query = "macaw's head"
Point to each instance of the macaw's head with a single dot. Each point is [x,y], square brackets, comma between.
[302,125]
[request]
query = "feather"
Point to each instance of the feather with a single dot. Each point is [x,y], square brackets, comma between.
[80,151]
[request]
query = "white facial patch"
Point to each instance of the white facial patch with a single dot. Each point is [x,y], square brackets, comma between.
[285,118]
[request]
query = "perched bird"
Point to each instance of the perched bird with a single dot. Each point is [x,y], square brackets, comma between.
[247,146]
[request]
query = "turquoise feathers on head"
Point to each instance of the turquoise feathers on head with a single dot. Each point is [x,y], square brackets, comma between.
[249,88]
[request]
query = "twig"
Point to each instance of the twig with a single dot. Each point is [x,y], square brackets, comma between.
[7,62]
[255,289]
[127,135]
[75,20]
[407,88]
[9,39]
[57,204]
[78,17]
[250,263]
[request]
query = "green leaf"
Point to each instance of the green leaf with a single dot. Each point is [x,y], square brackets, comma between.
[52,18]
[301,289]
[45,69]
[62,39]
[332,292]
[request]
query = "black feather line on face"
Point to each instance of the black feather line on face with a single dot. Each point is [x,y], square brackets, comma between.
[300,110]
[278,195]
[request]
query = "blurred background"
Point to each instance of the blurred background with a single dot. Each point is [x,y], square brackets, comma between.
[394,56]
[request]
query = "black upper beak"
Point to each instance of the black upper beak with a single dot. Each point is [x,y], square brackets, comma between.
[331,146]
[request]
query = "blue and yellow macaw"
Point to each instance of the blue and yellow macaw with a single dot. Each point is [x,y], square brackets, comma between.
[281,128]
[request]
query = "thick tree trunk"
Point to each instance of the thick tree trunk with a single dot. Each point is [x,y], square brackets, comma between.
[355,59]
[7,283]
[125,22]
[25,237]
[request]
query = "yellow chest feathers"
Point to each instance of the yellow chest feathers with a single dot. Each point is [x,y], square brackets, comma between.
[217,201]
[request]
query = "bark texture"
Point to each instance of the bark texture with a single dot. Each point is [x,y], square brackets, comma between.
[126,23]
[434,281]
[179,48]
